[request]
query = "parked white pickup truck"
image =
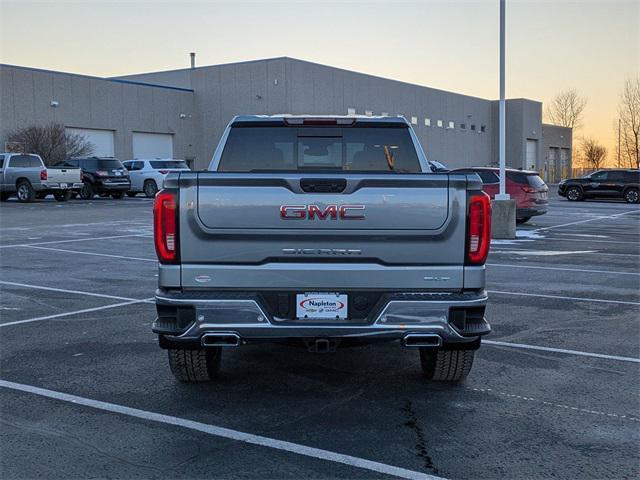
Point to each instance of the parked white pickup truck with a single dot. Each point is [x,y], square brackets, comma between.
[25,176]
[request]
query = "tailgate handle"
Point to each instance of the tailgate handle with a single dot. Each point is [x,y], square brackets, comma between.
[323,185]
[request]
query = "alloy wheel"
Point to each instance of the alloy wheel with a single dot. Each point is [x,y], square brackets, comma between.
[23,192]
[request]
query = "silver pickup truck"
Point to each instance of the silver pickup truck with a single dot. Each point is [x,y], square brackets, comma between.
[323,232]
[25,176]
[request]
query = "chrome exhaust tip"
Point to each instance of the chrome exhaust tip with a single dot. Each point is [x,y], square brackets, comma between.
[220,340]
[422,340]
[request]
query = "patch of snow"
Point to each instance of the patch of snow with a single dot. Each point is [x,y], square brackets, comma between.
[521,236]
[533,234]
[582,235]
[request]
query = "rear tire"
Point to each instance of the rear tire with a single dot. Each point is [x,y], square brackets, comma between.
[574,194]
[150,188]
[446,365]
[117,195]
[4,196]
[62,196]
[631,195]
[87,192]
[522,220]
[25,192]
[131,194]
[192,366]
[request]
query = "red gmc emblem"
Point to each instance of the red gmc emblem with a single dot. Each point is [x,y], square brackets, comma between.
[332,212]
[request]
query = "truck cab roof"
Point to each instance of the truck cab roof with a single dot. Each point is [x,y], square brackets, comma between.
[319,120]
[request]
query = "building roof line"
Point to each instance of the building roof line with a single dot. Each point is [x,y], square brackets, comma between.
[202,67]
[93,77]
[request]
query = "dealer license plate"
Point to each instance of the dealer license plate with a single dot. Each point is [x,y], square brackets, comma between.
[321,305]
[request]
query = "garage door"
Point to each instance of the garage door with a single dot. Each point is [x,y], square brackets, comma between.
[102,140]
[152,145]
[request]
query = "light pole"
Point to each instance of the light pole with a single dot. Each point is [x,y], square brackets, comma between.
[502,126]
[503,216]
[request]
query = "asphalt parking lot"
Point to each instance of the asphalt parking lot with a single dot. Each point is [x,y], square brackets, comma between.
[85,392]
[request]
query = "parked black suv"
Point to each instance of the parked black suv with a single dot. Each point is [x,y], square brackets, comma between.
[603,184]
[106,176]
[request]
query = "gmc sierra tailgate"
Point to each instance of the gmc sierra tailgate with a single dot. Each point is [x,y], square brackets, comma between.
[322,231]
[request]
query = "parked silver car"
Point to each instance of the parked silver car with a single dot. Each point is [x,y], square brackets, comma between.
[147,176]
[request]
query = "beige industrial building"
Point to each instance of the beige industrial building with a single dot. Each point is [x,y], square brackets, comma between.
[182,113]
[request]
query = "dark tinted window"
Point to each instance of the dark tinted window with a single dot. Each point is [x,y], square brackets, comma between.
[632,177]
[160,164]
[24,161]
[34,161]
[518,177]
[535,181]
[72,163]
[1,161]
[291,149]
[93,164]
[133,165]
[617,176]
[487,176]
[599,176]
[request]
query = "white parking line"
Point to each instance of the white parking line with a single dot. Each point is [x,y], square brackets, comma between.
[601,217]
[559,297]
[75,240]
[93,253]
[556,405]
[66,314]
[561,350]
[223,432]
[611,272]
[75,225]
[589,240]
[63,290]
[544,253]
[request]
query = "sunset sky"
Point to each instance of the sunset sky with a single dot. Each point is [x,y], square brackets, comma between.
[589,45]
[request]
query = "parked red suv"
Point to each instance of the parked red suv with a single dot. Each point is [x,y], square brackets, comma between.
[525,187]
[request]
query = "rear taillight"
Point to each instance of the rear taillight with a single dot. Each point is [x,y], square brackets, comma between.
[163,172]
[43,175]
[165,227]
[478,229]
[101,173]
[528,189]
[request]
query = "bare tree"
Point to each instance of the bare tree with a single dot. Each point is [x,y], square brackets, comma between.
[593,153]
[566,109]
[51,142]
[629,115]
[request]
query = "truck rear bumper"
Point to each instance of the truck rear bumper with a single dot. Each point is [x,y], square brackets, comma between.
[325,276]
[62,186]
[198,318]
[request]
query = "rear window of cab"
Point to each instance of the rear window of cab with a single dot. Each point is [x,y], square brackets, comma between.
[276,148]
